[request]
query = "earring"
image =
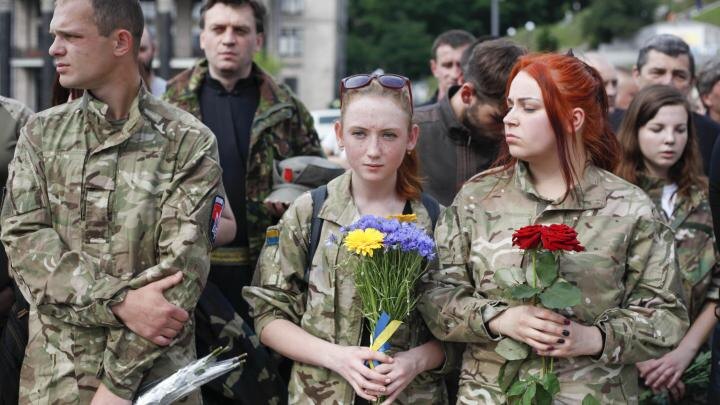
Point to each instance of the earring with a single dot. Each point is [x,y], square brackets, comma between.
[409,151]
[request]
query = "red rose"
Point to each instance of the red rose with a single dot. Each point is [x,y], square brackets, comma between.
[527,237]
[560,237]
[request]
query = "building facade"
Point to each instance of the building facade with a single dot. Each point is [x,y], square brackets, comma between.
[304,45]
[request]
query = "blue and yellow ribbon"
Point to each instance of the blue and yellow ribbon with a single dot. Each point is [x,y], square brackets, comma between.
[384,330]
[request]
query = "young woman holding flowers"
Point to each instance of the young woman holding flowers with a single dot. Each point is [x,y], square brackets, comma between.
[554,170]
[316,319]
[660,154]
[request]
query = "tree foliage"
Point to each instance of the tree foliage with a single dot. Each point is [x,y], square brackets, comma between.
[608,19]
[397,35]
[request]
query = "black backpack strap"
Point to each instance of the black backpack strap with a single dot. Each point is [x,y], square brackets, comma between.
[432,207]
[318,199]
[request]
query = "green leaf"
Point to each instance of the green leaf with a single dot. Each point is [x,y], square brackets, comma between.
[517,388]
[509,277]
[551,384]
[546,268]
[542,397]
[561,295]
[511,349]
[523,291]
[529,395]
[508,372]
[590,400]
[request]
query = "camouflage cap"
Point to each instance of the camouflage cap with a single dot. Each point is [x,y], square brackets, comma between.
[296,175]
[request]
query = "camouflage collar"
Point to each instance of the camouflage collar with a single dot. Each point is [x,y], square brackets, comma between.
[588,194]
[95,112]
[340,208]
[653,187]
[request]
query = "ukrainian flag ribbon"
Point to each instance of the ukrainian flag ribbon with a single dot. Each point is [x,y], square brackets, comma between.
[384,329]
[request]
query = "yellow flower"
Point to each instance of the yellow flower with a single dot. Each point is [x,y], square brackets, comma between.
[364,241]
[404,217]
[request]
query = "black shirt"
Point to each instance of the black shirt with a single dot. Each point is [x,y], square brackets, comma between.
[229,115]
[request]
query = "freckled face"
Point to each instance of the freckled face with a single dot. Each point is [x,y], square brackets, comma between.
[376,134]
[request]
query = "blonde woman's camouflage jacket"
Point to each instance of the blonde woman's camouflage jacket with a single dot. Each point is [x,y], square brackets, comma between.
[628,276]
[327,305]
[93,209]
[282,128]
[694,243]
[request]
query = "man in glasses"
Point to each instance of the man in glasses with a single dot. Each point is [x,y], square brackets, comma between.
[460,135]
[447,50]
[256,121]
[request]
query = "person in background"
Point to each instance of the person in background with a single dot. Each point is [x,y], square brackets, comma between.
[462,132]
[554,169]
[607,72]
[155,83]
[445,66]
[626,89]
[314,318]
[660,155]
[709,88]
[13,314]
[667,59]
[256,121]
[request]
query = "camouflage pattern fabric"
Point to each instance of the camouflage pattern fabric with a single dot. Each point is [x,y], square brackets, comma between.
[95,208]
[282,128]
[628,275]
[695,247]
[327,305]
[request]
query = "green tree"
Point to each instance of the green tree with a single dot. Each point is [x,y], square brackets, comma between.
[397,35]
[545,40]
[608,19]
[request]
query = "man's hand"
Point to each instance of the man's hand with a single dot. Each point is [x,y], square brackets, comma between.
[104,396]
[146,312]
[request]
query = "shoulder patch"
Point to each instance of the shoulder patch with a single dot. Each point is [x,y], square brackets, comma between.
[215,214]
[272,236]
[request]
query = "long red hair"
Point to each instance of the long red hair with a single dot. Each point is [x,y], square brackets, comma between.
[567,83]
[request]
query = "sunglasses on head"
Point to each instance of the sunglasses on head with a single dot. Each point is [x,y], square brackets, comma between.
[389,81]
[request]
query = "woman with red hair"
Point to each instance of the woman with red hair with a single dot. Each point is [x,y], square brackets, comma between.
[554,169]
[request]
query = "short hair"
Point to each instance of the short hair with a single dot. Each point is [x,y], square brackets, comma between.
[667,44]
[489,66]
[468,51]
[453,38]
[709,75]
[111,15]
[257,8]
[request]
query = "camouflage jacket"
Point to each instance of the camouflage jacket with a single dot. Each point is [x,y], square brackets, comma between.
[327,305]
[697,255]
[282,128]
[628,276]
[13,116]
[93,209]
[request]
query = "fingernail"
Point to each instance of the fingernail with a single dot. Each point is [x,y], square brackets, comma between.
[551,348]
[566,332]
[561,341]
[566,322]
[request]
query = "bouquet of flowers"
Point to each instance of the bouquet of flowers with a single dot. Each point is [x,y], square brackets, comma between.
[189,378]
[389,256]
[540,284]
[696,379]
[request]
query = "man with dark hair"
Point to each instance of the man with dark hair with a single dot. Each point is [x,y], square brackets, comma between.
[155,83]
[107,219]
[667,59]
[446,53]
[461,134]
[709,88]
[256,121]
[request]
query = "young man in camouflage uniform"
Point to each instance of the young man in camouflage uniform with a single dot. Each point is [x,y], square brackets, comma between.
[255,121]
[106,219]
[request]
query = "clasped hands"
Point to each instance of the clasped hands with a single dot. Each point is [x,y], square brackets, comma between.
[548,333]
